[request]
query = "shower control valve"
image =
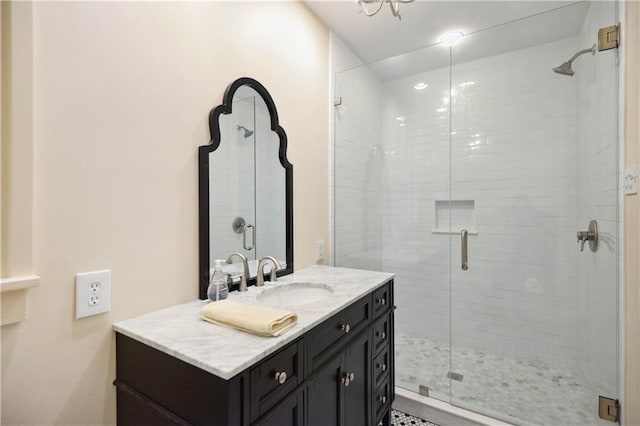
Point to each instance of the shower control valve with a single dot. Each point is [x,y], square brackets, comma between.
[591,236]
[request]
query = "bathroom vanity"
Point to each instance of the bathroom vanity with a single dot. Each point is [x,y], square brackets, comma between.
[335,367]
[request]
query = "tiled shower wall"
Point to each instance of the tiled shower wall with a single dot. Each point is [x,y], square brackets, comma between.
[513,150]
[232,181]
[358,170]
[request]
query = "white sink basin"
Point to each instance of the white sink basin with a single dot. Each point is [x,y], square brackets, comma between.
[295,295]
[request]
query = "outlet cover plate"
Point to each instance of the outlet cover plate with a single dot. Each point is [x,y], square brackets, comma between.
[319,251]
[93,293]
[630,183]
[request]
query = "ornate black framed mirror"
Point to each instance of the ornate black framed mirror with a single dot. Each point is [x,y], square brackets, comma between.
[245,185]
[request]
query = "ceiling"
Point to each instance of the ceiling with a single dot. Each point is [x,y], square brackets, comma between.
[424,21]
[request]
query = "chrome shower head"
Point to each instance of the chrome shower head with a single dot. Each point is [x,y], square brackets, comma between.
[565,68]
[246,131]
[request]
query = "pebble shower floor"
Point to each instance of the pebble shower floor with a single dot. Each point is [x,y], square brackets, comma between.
[520,392]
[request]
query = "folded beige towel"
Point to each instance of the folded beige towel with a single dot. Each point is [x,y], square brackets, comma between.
[260,320]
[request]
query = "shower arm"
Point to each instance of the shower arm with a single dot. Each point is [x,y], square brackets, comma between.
[582,52]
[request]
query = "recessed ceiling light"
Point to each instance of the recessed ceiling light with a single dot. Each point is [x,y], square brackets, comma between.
[421,86]
[451,38]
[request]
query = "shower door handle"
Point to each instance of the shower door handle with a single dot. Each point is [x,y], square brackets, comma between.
[463,249]
[253,237]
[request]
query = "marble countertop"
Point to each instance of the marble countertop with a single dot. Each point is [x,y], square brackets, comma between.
[179,331]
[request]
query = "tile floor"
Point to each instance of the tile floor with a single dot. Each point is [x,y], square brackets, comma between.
[398,418]
[519,392]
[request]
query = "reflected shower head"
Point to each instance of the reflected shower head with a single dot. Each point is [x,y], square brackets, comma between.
[246,131]
[565,68]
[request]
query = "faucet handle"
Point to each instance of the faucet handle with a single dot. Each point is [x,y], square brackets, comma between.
[274,277]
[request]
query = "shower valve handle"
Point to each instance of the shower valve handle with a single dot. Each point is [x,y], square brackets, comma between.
[590,236]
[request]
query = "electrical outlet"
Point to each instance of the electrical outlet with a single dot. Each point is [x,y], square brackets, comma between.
[93,293]
[319,251]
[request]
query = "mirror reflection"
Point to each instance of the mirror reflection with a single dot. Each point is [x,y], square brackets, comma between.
[248,199]
[247,185]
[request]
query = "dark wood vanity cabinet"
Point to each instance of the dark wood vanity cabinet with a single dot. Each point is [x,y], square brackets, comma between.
[339,373]
[337,393]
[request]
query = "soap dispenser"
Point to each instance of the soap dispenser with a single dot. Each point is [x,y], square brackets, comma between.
[218,288]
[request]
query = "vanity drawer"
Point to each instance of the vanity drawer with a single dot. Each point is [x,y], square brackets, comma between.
[276,377]
[381,366]
[330,336]
[382,399]
[381,332]
[382,299]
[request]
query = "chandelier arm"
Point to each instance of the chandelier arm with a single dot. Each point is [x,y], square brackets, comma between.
[395,8]
[393,4]
[363,7]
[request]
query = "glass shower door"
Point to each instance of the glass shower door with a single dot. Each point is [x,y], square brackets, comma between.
[534,158]
[391,167]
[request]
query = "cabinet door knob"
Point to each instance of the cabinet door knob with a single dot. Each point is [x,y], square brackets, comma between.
[382,367]
[345,328]
[352,376]
[382,334]
[281,377]
[382,301]
[345,380]
[382,399]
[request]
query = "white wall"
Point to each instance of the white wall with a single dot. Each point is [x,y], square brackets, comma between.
[122,93]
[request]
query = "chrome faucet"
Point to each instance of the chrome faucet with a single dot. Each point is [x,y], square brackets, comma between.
[276,266]
[245,269]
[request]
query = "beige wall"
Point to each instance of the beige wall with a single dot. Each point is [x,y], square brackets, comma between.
[121,97]
[631,410]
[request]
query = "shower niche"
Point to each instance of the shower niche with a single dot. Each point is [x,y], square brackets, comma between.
[452,216]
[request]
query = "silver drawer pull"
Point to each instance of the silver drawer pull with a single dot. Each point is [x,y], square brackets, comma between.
[281,377]
[382,367]
[382,334]
[382,399]
[345,328]
[381,301]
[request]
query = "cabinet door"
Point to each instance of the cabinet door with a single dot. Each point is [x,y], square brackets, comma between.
[324,394]
[287,413]
[357,408]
